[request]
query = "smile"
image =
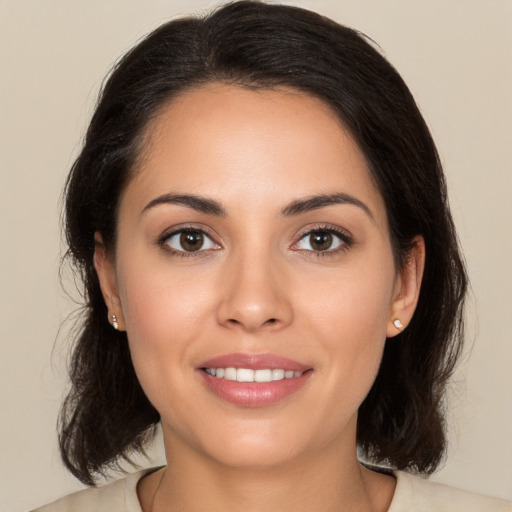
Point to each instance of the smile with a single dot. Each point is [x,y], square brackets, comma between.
[253,380]
[249,375]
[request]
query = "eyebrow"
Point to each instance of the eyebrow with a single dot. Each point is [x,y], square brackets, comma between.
[298,207]
[321,201]
[199,203]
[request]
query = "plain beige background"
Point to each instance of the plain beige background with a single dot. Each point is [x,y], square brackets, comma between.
[455,56]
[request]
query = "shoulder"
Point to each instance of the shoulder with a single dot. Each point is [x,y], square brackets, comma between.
[422,495]
[119,496]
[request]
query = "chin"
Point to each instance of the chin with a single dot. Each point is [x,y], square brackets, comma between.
[255,455]
[252,445]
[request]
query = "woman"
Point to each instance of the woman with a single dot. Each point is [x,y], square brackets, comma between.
[260,218]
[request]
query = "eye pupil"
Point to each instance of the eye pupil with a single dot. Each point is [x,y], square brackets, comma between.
[191,240]
[321,240]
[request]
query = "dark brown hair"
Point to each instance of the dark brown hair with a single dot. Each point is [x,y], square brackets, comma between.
[106,414]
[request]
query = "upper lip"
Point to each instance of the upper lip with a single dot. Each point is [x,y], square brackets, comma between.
[254,362]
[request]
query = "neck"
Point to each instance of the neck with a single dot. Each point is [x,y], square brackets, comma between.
[326,481]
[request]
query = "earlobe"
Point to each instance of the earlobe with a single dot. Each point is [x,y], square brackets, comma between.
[408,287]
[105,270]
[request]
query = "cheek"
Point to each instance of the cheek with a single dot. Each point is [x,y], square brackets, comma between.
[352,304]
[155,310]
[164,314]
[349,316]
[161,301]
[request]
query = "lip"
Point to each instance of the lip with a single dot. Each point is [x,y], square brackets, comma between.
[254,362]
[254,394]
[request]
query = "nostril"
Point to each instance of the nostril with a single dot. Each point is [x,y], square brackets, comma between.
[234,321]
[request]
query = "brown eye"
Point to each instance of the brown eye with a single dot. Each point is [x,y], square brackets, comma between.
[322,240]
[190,240]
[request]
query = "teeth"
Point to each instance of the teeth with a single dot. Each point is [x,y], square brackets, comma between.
[230,373]
[248,375]
[244,375]
[278,374]
[263,376]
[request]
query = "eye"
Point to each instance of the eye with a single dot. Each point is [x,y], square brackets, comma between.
[190,240]
[322,240]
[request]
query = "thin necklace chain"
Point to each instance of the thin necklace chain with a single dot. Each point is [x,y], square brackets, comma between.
[156,491]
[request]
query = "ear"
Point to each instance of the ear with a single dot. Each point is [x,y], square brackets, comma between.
[407,289]
[105,268]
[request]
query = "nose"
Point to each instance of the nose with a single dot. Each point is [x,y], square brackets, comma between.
[254,295]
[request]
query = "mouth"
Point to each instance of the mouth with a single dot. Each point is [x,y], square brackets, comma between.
[253,380]
[250,375]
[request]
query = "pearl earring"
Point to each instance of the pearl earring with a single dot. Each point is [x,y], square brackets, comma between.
[398,324]
[115,325]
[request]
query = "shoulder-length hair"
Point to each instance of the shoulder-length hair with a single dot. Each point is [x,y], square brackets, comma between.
[400,423]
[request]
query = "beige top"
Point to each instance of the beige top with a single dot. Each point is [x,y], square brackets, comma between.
[412,494]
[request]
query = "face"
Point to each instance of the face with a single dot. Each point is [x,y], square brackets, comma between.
[253,245]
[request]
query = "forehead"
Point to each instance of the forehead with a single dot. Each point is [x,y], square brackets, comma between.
[262,144]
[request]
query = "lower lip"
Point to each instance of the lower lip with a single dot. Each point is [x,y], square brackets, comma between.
[254,394]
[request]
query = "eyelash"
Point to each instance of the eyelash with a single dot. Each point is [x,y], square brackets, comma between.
[164,239]
[345,238]
[345,241]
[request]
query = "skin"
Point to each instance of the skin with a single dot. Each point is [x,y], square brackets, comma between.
[258,287]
